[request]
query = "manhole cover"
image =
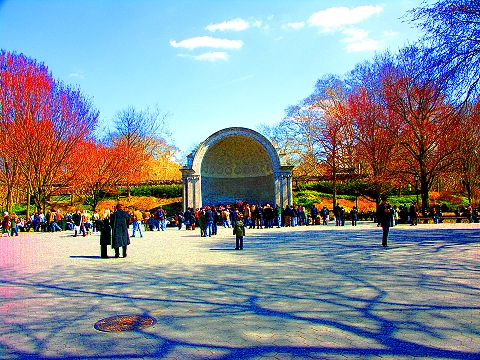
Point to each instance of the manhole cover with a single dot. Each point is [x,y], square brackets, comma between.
[124,323]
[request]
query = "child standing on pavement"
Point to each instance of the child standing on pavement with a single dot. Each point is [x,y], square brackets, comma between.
[239,232]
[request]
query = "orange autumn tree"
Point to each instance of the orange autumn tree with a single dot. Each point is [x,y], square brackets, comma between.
[45,121]
[106,169]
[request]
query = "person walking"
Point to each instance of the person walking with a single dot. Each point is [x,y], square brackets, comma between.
[201,223]
[137,221]
[324,213]
[6,224]
[239,232]
[384,219]
[78,224]
[208,222]
[14,224]
[119,220]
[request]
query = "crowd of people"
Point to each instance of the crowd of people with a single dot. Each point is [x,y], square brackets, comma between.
[114,224]
[208,218]
[263,216]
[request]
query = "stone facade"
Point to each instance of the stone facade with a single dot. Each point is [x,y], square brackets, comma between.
[236,164]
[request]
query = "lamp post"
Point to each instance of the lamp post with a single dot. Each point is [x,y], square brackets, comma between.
[416,185]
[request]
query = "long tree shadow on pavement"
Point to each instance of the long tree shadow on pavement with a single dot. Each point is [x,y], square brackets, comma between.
[308,295]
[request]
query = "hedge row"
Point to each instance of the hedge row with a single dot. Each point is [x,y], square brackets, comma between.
[159,191]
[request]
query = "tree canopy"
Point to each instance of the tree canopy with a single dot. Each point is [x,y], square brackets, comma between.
[451,30]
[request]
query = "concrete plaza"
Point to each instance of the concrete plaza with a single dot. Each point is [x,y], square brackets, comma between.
[302,293]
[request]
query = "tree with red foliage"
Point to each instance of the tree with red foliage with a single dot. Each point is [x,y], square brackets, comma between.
[23,85]
[469,151]
[375,149]
[421,119]
[45,122]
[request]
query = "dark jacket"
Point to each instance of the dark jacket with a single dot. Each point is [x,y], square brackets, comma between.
[384,213]
[105,231]
[119,222]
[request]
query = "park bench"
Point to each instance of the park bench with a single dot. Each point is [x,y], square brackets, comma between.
[454,218]
[447,217]
[425,220]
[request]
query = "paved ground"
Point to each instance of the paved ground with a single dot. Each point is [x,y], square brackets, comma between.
[314,292]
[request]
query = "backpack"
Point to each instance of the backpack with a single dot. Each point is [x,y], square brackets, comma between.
[159,214]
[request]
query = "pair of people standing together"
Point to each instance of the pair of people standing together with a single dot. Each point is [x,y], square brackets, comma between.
[114,232]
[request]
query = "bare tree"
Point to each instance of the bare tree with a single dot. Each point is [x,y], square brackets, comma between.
[324,129]
[139,133]
[452,35]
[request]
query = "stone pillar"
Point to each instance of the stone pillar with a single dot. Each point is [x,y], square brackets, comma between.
[278,198]
[285,189]
[288,179]
[185,192]
[194,180]
[191,191]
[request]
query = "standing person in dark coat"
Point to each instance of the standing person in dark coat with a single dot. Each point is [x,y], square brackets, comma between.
[354,215]
[337,212]
[413,214]
[201,223]
[324,213]
[384,213]
[119,221]
[314,214]
[105,235]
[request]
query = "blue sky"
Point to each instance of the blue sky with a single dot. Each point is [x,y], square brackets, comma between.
[211,64]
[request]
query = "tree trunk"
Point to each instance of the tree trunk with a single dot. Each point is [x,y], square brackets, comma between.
[424,191]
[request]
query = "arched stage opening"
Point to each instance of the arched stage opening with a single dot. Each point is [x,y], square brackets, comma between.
[232,165]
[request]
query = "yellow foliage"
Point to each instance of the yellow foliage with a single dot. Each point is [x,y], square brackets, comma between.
[162,168]
[139,202]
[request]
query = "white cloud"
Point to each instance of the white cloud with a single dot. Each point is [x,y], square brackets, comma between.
[354,35]
[294,25]
[390,33]
[208,56]
[337,17]
[257,23]
[237,24]
[363,45]
[212,56]
[207,41]
[243,78]
[358,40]
[78,74]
